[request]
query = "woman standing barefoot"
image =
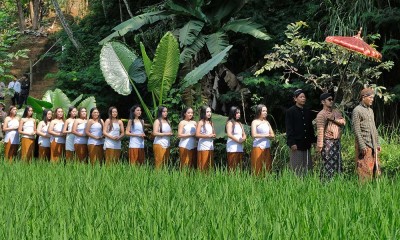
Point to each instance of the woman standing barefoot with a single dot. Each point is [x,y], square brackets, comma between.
[113,131]
[262,132]
[57,140]
[44,136]
[94,130]
[206,134]
[135,130]
[11,139]
[162,132]
[67,130]
[187,143]
[27,130]
[236,137]
[80,140]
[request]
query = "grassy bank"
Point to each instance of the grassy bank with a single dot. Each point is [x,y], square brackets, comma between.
[42,200]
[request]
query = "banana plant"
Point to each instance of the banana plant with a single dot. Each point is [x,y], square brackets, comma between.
[57,98]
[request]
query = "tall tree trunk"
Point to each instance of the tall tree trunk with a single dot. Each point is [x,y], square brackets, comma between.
[121,18]
[65,25]
[21,18]
[103,4]
[36,14]
[128,9]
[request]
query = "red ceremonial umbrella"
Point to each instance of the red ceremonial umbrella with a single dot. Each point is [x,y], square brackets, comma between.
[356,44]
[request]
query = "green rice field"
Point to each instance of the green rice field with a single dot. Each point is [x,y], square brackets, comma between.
[56,201]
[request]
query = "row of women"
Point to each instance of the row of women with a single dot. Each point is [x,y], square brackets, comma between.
[80,138]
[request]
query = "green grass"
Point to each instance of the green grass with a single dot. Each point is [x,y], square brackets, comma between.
[43,200]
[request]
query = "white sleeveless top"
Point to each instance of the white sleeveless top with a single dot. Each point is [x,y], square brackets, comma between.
[44,141]
[28,127]
[262,143]
[188,142]
[13,135]
[97,130]
[232,146]
[80,128]
[206,144]
[69,141]
[136,142]
[58,127]
[115,132]
[164,141]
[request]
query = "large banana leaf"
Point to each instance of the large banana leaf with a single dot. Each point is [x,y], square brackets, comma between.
[38,105]
[219,10]
[189,51]
[59,99]
[135,23]
[188,7]
[48,96]
[247,26]
[216,42]
[189,33]
[146,60]
[165,67]
[78,99]
[196,74]
[115,60]
[88,103]
[137,72]
[219,123]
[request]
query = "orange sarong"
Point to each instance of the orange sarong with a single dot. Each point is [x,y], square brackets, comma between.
[367,166]
[187,157]
[260,160]
[161,155]
[81,151]
[44,153]
[56,151]
[112,155]
[205,159]
[10,151]
[69,155]
[136,156]
[27,148]
[96,153]
[234,160]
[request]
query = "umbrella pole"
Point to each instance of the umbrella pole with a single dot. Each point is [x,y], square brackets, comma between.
[344,71]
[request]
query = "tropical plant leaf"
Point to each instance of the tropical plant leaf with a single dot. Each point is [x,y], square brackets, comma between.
[48,96]
[217,11]
[146,60]
[38,105]
[115,60]
[165,67]
[137,72]
[247,26]
[196,74]
[79,98]
[190,8]
[189,51]
[60,100]
[188,33]
[219,122]
[88,103]
[216,42]
[135,23]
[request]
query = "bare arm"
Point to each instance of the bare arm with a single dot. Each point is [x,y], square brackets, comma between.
[180,131]
[122,130]
[105,129]
[156,129]
[74,130]
[229,127]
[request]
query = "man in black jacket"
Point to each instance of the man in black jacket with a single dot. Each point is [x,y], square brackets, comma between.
[299,134]
[25,85]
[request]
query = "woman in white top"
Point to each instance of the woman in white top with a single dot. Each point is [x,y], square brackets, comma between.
[57,140]
[44,136]
[187,135]
[80,140]
[162,132]
[27,131]
[205,133]
[135,130]
[94,130]
[67,130]
[11,138]
[113,132]
[262,132]
[236,137]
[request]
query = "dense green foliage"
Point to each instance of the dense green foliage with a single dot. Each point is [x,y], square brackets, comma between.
[78,201]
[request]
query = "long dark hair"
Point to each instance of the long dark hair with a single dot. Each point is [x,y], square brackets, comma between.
[184,111]
[159,116]
[132,116]
[110,127]
[232,117]
[25,114]
[44,116]
[259,110]
[203,116]
[90,117]
[70,110]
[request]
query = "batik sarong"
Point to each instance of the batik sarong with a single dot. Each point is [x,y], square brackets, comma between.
[331,158]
